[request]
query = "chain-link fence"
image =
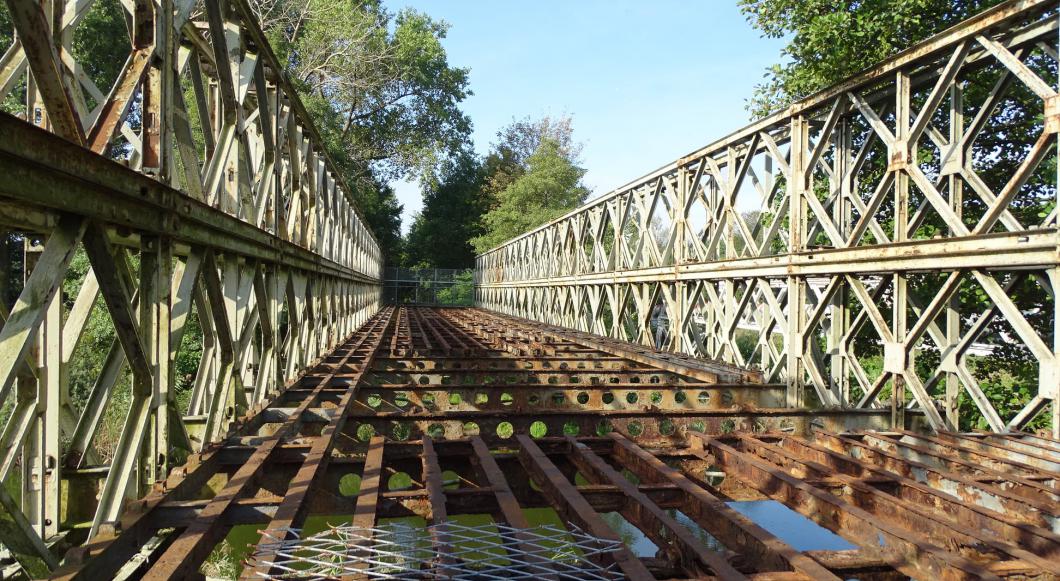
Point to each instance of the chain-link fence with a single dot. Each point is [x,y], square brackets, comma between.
[429,286]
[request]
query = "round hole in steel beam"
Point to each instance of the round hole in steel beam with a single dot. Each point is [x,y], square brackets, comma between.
[632,397]
[534,399]
[400,431]
[482,398]
[656,398]
[603,427]
[583,398]
[608,398]
[697,426]
[727,397]
[401,399]
[399,481]
[365,432]
[470,429]
[436,431]
[350,484]
[424,380]
[680,397]
[558,398]
[634,429]
[455,398]
[428,400]
[450,480]
[505,430]
[703,398]
[666,427]
[374,400]
[507,399]
[538,429]
[571,428]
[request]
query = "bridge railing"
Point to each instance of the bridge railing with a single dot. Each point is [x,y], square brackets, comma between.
[192,194]
[856,245]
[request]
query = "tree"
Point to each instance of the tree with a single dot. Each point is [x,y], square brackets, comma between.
[453,205]
[508,158]
[550,187]
[381,91]
[831,40]
[386,76]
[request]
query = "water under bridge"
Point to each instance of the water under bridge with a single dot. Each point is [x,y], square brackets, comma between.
[644,387]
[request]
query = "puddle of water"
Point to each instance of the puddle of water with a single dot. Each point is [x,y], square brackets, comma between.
[631,536]
[791,527]
[704,537]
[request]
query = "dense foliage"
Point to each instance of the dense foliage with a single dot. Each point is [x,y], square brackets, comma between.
[381,90]
[549,188]
[453,205]
[833,39]
[529,177]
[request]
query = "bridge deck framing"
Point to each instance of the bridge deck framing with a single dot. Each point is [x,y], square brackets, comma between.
[287,461]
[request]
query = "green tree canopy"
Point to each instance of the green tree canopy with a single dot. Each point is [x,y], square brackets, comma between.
[833,39]
[550,187]
[453,205]
[382,93]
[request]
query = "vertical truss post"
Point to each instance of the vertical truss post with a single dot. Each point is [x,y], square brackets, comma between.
[897,355]
[798,221]
[839,314]
[49,347]
[955,187]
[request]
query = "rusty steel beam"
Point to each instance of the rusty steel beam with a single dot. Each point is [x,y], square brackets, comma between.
[984,455]
[1041,460]
[191,548]
[942,518]
[102,555]
[371,483]
[739,533]
[291,513]
[573,507]
[432,481]
[1022,501]
[686,551]
[508,505]
[908,551]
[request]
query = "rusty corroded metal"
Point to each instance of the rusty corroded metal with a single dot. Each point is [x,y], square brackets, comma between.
[359,412]
[611,380]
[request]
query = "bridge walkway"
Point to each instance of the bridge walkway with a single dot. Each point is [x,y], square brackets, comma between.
[437,414]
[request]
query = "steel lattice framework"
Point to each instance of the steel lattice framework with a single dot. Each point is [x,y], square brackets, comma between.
[861,213]
[196,191]
[227,210]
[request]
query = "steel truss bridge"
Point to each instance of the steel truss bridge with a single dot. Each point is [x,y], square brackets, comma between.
[797,313]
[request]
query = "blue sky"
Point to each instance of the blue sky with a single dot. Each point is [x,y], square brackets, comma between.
[645,82]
